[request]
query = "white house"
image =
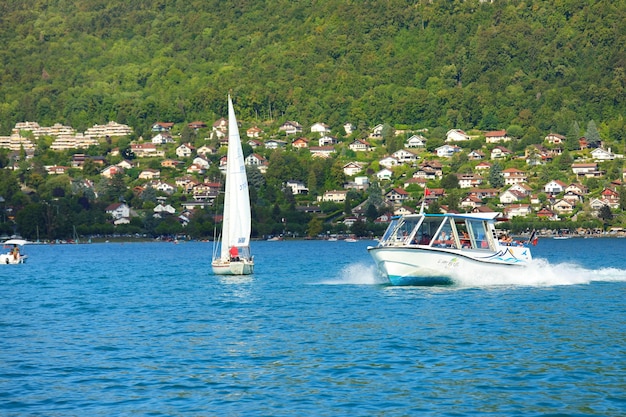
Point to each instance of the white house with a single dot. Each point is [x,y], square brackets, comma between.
[352,168]
[359,145]
[275,144]
[476,155]
[389,162]
[320,128]
[118,211]
[415,141]
[563,207]
[446,151]
[396,195]
[521,187]
[185,150]
[205,150]
[149,174]
[515,210]
[600,154]
[297,187]
[202,161]
[160,210]
[254,159]
[456,135]
[327,141]
[162,139]
[384,174]
[404,156]
[377,132]
[165,187]
[469,180]
[511,196]
[554,187]
[335,196]
[500,152]
[291,128]
[125,164]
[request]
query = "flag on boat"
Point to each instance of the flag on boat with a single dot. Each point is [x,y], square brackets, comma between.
[533,238]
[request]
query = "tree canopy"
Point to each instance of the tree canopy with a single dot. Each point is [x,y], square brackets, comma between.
[464,64]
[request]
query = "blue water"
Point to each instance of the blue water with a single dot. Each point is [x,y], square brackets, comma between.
[145,329]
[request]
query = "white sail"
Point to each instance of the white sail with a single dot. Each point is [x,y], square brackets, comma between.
[236,226]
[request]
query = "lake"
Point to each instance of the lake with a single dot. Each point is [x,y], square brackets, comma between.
[134,329]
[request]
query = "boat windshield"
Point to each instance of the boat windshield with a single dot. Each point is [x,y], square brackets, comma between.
[477,234]
[427,229]
[390,230]
[445,236]
[401,231]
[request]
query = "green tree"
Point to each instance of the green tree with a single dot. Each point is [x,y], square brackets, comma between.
[495,176]
[592,135]
[450,181]
[314,227]
[605,215]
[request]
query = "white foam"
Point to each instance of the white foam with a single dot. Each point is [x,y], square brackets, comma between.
[540,273]
[358,274]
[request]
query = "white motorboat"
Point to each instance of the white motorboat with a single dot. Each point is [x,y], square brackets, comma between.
[431,249]
[234,257]
[15,254]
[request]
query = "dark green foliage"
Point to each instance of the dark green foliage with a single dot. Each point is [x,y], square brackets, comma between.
[495,176]
[450,181]
[456,64]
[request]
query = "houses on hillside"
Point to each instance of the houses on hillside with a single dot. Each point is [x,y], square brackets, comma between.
[401,174]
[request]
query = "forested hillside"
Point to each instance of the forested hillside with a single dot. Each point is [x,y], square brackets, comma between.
[456,64]
[530,68]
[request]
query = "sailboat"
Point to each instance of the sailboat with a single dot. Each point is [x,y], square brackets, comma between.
[234,257]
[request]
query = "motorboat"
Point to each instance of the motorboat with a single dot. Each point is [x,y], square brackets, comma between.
[432,249]
[15,254]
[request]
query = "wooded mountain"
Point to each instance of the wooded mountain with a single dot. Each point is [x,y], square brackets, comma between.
[455,64]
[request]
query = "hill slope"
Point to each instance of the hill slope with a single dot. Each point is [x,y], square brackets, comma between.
[450,64]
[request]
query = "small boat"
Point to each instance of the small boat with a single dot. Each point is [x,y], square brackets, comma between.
[350,240]
[234,256]
[14,255]
[430,249]
[274,239]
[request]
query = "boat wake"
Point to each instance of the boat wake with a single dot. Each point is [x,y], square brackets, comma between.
[357,274]
[540,273]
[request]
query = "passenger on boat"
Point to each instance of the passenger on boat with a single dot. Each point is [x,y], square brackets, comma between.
[423,240]
[444,241]
[234,253]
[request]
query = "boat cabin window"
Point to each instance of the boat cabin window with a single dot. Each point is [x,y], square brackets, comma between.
[445,237]
[477,234]
[390,230]
[427,229]
[464,237]
[400,231]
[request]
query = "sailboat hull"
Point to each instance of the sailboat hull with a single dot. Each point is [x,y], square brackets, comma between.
[244,267]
